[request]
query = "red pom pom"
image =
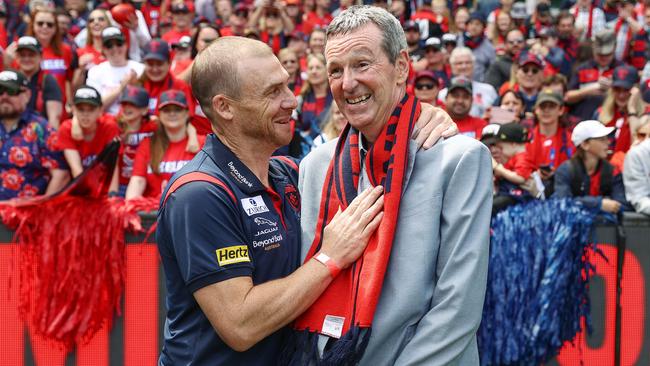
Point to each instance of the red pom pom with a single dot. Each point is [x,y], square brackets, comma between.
[122,12]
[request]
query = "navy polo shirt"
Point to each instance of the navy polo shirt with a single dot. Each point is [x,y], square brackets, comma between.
[209,233]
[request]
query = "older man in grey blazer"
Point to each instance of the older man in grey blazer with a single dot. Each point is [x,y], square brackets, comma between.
[433,290]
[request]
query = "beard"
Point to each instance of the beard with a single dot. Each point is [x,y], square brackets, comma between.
[9,111]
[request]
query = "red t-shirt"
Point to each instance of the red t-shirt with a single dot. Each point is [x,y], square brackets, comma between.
[311,20]
[471,126]
[179,66]
[199,120]
[622,139]
[129,148]
[550,150]
[106,131]
[61,67]
[521,164]
[175,35]
[98,58]
[174,158]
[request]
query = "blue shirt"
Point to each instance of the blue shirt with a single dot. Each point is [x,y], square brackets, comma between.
[209,233]
[27,153]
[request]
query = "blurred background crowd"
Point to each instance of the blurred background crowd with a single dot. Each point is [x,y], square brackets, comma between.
[557,89]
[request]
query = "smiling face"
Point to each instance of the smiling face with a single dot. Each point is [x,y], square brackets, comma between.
[316,73]
[264,112]
[97,22]
[45,27]
[173,117]
[156,70]
[365,84]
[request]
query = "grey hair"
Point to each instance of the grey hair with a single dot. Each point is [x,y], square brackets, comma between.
[357,16]
[460,51]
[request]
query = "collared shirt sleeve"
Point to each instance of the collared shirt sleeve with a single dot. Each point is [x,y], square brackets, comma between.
[200,226]
[51,157]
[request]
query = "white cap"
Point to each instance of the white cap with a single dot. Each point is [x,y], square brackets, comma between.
[590,129]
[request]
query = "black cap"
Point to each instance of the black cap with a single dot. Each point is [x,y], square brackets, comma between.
[135,95]
[156,49]
[13,80]
[87,95]
[410,25]
[513,132]
[112,33]
[28,43]
[461,82]
[543,9]
[625,77]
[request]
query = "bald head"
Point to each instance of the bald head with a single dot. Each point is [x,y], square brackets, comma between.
[215,69]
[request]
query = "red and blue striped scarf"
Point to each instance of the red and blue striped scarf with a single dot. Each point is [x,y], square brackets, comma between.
[354,294]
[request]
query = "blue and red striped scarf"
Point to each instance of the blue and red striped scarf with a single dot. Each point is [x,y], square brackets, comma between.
[354,294]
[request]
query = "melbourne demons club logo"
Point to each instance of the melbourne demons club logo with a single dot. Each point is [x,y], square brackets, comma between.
[291,194]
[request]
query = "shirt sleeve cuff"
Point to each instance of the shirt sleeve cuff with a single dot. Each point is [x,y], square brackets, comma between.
[222,275]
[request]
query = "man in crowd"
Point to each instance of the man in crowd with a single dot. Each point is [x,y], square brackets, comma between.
[229,239]
[432,320]
[46,97]
[482,48]
[591,80]
[530,75]
[499,71]
[462,64]
[426,87]
[459,103]
[412,31]
[29,162]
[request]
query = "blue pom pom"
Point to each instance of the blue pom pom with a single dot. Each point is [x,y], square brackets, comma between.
[537,289]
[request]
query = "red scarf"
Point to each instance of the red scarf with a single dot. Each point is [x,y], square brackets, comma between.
[628,37]
[354,294]
[591,19]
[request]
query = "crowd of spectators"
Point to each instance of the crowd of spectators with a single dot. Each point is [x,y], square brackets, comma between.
[559,90]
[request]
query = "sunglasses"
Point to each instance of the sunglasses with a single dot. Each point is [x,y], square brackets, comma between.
[272,15]
[208,40]
[530,70]
[424,86]
[45,24]
[96,19]
[431,49]
[9,91]
[641,135]
[110,45]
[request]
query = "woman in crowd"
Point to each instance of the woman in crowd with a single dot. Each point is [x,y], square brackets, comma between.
[205,34]
[289,61]
[98,130]
[498,31]
[617,106]
[588,176]
[112,76]
[317,41]
[315,98]
[164,153]
[272,23]
[58,58]
[333,126]
[91,54]
[551,141]
[459,24]
[135,125]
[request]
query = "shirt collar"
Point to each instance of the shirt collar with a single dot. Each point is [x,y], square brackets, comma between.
[228,162]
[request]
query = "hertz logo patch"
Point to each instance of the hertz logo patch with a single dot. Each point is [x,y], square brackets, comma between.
[231,255]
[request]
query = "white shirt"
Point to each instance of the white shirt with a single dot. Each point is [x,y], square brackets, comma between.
[106,78]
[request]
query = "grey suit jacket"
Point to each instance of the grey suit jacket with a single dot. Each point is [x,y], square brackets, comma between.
[432,296]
